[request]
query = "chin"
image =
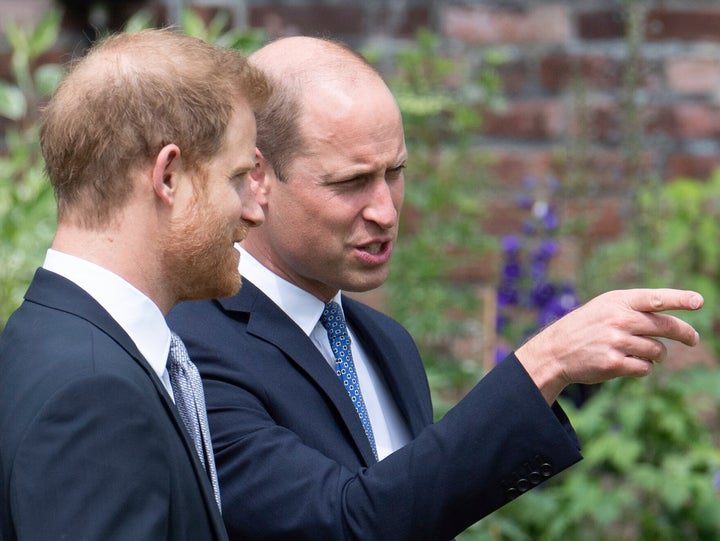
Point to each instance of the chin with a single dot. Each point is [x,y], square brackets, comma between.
[362,286]
[221,287]
[229,287]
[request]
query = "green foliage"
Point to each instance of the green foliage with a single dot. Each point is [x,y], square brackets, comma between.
[217,31]
[682,224]
[27,208]
[650,469]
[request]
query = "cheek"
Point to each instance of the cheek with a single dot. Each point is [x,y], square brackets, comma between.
[398,195]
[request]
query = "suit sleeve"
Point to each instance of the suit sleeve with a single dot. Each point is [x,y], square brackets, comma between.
[499,441]
[91,466]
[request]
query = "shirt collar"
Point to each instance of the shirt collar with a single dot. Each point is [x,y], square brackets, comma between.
[302,307]
[138,316]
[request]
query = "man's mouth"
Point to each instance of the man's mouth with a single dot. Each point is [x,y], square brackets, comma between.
[373,248]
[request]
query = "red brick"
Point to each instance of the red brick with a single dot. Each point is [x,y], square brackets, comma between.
[560,70]
[686,120]
[515,76]
[693,75]
[686,25]
[530,119]
[502,215]
[696,120]
[412,20]
[602,214]
[308,19]
[685,164]
[491,25]
[605,122]
[511,165]
[681,120]
[602,24]
[602,170]
[472,268]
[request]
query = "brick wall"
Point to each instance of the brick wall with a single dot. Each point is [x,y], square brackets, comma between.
[564,77]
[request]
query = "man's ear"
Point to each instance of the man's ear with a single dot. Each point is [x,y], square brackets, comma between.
[261,176]
[165,173]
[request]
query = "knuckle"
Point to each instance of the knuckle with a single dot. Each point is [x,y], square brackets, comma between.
[656,301]
[656,350]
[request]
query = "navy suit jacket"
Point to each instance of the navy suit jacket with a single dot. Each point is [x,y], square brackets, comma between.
[91,445]
[292,457]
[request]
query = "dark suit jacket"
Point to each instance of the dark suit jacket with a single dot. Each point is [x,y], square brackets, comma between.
[292,457]
[91,444]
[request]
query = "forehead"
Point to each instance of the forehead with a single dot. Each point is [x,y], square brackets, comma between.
[359,123]
[240,133]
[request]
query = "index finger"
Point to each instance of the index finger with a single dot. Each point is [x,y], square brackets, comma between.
[661,299]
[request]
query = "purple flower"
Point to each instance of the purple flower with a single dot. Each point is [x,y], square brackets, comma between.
[511,270]
[538,269]
[510,244]
[508,294]
[542,294]
[525,201]
[550,220]
[545,250]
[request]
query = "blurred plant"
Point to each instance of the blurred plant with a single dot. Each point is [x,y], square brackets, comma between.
[528,296]
[27,208]
[440,99]
[683,227]
[218,30]
[650,470]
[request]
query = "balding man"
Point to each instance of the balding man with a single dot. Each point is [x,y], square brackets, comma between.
[148,143]
[319,405]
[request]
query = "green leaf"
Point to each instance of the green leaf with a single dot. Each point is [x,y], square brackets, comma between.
[17,37]
[13,104]
[47,77]
[192,24]
[139,21]
[45,33]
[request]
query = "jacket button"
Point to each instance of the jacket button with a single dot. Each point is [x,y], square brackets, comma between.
[535,478]
[512,493]
[546,470]
[523,485]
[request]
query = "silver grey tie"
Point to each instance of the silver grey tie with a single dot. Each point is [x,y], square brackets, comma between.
[190,401]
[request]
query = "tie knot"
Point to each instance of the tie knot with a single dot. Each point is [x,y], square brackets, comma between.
[332,316]
[178,356]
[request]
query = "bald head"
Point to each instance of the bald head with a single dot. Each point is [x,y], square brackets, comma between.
[309,61]
[301,70]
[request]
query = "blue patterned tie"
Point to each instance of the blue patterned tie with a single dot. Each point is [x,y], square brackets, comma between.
[334,322]
[190,401]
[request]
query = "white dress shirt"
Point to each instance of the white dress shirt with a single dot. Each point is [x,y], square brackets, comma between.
[389,427]
[138,316]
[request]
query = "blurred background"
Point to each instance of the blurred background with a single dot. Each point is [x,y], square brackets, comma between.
[558,149]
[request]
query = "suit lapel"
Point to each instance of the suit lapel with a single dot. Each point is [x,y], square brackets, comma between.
[392,364]
[268,322]
[57,292]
